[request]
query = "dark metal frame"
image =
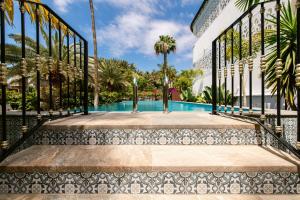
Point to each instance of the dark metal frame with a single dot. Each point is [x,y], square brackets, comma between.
[279,66]
[5,147]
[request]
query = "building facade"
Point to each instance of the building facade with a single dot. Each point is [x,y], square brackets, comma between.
[213,17]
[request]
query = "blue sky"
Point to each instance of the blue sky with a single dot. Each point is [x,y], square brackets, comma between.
[128,29]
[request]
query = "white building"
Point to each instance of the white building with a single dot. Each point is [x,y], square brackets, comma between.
[213,17]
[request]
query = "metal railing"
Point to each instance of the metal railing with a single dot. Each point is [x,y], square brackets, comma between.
[43,16]
[249,61]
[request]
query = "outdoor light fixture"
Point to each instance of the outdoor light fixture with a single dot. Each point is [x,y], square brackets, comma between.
[135,95]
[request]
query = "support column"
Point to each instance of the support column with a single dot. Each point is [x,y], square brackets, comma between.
[86,77]
[263,63]
[4,144]
[241,67]
[50,66]
[60,71]
[214,77]
[250,64]
[279,67]
[68,70]
[23,68]
[38,63]
[232,71]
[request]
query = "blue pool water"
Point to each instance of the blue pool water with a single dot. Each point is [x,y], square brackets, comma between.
[146,106]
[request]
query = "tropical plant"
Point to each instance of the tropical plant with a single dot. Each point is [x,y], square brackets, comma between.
[207,95]
[245,4]
[288,41]
[115,75]
[165,45]
[186,77]
[187,95]
[96,86]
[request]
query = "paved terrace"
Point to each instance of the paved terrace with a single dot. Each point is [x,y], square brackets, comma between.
[150,120]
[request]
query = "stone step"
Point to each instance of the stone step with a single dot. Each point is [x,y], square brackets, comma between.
[148,129]
[148,197]
[150,169]
[51,135]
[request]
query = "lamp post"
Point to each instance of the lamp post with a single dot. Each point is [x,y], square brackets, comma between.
[135,95]
[165,95]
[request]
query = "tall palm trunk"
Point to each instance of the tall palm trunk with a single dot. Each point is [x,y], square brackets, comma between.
[165,64]
[96,86]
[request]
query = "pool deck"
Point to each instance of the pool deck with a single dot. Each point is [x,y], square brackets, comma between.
[171,120]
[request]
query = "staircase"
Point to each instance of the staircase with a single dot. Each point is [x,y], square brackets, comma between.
[150,156]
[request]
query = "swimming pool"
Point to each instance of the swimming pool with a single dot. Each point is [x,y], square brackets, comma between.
[147,106]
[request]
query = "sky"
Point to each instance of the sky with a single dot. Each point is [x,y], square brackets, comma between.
[128,29]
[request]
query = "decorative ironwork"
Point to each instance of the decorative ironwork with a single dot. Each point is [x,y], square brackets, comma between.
[225,72]
[241,67]
[220,74]
[24,129]
[23,67]
[38,62]
[263,62]
[279,130]
[279,68]
[297,74]
[2,6]
[232,70]
[60,68]
[4,145]
[250,63]
[3,74]
[50,64]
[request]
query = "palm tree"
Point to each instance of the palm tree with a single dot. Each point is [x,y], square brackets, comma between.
[288,40]
[245,4]
[96,86]
[165,45]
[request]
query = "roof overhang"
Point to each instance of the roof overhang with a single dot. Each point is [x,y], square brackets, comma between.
[198,14]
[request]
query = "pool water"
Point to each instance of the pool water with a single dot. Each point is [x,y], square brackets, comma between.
[147,106]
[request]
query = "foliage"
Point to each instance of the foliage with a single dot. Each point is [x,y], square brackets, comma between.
[207,95]
[185,79]
[107,97]
[165,45]
[245,4]
[187,95]
[14,99]
[288,41]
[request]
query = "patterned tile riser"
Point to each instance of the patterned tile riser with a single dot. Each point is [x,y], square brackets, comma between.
[147,137]
[151,183]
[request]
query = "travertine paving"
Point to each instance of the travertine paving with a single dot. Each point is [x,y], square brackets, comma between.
[149,197]
[151,120]
[201,158]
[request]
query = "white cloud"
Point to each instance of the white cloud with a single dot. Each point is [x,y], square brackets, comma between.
[136,32]
[62,5]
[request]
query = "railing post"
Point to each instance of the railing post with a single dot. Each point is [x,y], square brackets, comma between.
[23,68]
[219,76]
[225,72]
[135,95]
[166,94]
[68,70]
[4,144]
[38,63]
[214,77]
[86,77]
[298,73]
[80,75]
[75,74]
[232,71]
[279,67]
[250,64]
[263,63]
[50,66]
[60,70]
[241,66]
